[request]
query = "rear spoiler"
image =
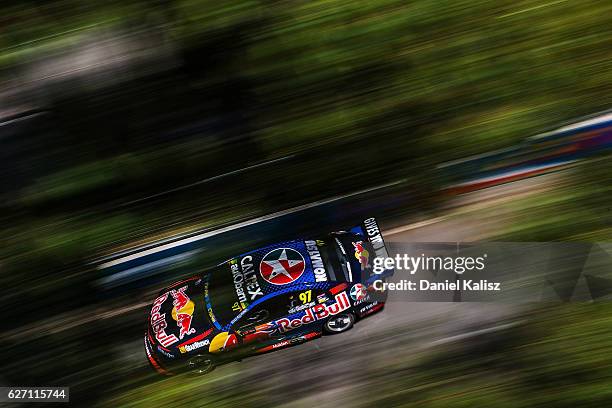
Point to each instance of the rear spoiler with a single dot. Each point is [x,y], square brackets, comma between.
[371,231]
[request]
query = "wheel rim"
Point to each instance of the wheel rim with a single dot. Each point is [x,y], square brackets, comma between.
[200,364]
[339,323]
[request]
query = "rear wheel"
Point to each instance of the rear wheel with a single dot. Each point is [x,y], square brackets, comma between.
[339,323]
[200,364]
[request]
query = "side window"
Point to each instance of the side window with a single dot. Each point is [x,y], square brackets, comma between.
[255,316]
[269,310]
[280,306]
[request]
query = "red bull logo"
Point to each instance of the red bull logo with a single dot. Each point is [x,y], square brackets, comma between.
[158,323]
[182,311]
[317,312]
[361,253]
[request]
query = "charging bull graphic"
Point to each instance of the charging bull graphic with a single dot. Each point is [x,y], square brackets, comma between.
[361,254]
[182,311]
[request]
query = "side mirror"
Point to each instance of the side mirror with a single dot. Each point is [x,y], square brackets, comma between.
[258,317]
[248,324]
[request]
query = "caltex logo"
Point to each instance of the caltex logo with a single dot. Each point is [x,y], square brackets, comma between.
[282,266]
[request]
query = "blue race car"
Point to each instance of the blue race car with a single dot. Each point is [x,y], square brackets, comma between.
[265,300]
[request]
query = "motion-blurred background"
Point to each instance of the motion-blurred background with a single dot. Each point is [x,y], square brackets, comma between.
[124,122]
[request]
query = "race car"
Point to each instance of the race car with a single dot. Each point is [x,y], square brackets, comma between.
[265,300]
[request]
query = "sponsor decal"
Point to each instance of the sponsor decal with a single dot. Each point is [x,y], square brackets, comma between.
[370,308]
[317,312]
[238,317]
[361,254]
[281,344]
[211,315]
[316,260]
[299,308]
[375,238]
[274,346]
[199,337]
[182,311]
[322,298]
[282,266]
[245,281]
[164,352]
[374,234]
[358,292]
[193,346]
[291,342]
[158,323]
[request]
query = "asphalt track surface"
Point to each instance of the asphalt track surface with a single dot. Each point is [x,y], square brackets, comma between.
[336,370]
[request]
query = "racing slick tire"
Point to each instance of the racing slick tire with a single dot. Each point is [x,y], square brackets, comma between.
[339,323]
[200,364]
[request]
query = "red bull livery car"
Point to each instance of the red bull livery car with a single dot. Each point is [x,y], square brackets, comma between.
[267,299]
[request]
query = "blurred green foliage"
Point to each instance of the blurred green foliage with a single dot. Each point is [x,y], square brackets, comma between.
[577,210]
[360,92]
[556,358]
[481,74]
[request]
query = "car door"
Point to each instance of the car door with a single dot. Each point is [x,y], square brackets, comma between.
[256,326]
[271,320]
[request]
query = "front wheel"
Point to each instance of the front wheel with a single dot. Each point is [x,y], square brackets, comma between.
[200,364]
[339,323]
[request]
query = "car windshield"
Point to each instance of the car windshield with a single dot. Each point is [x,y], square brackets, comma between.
[220,296]
[337,259]
[353,252]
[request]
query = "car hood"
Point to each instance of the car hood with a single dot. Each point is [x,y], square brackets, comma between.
[178,320]
[284,263]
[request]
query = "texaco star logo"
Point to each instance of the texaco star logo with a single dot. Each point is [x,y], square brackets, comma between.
[281,266]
